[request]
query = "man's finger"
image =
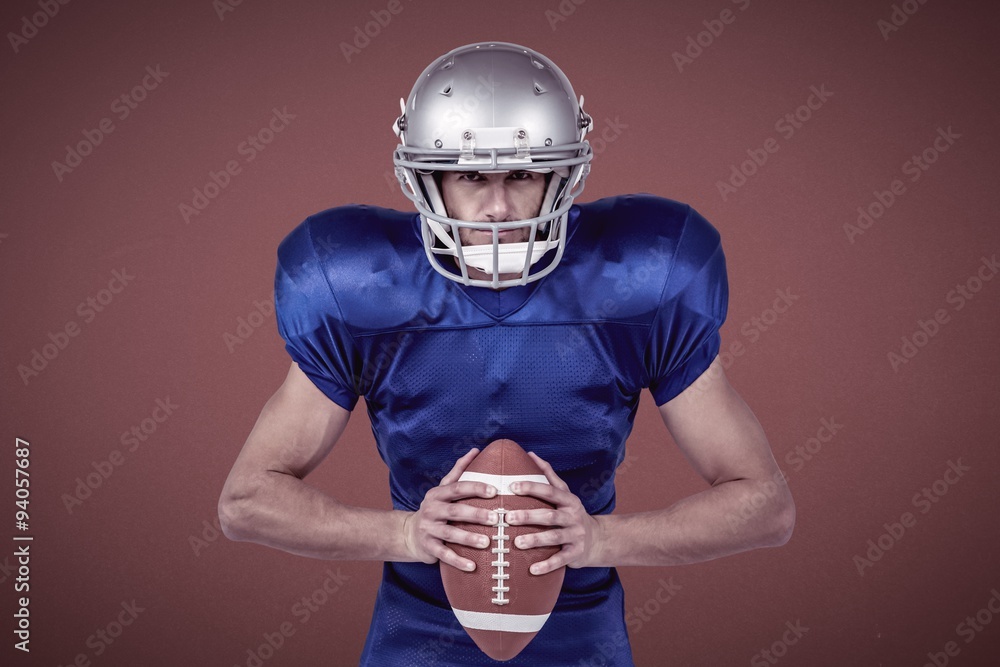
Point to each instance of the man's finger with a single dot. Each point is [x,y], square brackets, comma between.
[550,564]
[446,555]
[455,491]
[550,474]
[456,535]
[545,538]
[538,517]
[461,513]
[459,467]
[546,492]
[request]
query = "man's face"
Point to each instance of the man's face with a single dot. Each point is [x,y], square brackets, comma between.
[502,197]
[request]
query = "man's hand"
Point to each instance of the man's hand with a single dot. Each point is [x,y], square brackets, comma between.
[577,532]
[426,530]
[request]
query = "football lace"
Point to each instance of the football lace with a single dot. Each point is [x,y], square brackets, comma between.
[500,552]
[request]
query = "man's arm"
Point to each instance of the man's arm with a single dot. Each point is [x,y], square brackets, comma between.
[747,506]
[265,499]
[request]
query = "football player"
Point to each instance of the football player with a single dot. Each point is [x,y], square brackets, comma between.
[502,309]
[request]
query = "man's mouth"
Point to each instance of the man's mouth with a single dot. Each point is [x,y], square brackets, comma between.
[485,236]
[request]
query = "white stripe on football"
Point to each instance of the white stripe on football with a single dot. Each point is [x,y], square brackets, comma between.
[478,620]
[501,482]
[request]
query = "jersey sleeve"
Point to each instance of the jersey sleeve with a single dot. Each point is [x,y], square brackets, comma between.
[310,321]
[684,336]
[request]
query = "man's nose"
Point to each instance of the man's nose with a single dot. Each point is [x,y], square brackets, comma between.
[496,206]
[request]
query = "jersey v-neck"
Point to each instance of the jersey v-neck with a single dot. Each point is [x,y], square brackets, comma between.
[500,303]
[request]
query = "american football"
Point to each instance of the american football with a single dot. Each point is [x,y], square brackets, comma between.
[501,604]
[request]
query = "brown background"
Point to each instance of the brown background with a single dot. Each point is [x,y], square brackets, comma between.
[163,336]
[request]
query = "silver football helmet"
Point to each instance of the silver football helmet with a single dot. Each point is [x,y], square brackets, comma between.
[493,107]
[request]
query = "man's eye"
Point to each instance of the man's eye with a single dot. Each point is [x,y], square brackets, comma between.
[520,175]
[471,176]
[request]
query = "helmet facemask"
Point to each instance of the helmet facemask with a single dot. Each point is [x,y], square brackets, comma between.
[452,123]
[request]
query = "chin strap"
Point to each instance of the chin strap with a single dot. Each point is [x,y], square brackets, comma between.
[510,256]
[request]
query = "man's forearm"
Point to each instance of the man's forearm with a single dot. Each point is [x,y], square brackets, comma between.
[284,512]
[728,518]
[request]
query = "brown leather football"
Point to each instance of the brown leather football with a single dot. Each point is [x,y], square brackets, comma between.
[501,604]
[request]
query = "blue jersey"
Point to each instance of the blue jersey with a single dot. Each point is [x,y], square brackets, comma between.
[556,365]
